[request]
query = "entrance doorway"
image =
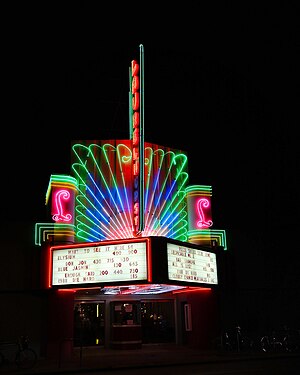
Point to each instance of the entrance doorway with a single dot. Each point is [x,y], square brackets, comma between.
[89,324]
[158,321]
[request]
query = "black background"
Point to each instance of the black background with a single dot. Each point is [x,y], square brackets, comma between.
[221,83]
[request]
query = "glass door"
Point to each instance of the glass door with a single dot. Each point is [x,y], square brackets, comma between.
[158,321]
[89,324]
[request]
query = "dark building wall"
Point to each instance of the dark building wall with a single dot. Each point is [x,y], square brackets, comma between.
[205,318]
[60,325]
[23,304]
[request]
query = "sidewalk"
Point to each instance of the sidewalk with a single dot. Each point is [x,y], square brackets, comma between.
[91,359]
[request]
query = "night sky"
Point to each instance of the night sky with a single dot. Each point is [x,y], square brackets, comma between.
[220,84]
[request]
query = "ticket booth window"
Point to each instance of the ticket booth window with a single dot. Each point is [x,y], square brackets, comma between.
[126,327]
[125,313]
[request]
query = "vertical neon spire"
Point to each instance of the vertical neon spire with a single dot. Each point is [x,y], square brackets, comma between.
[142,146]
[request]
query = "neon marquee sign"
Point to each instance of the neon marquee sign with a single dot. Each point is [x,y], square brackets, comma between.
[202,204]
[199,207]
[136,121]
[60,208]
[135,85]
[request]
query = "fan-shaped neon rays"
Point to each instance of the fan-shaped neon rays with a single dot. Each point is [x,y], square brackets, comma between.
[106,208]
[103,192]
[104,203]
[162,178]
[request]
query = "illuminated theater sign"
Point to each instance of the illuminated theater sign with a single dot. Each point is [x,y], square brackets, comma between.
[191,265]
[94,264]
[136,121]
[146,260]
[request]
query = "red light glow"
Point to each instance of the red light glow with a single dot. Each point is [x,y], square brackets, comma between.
[203,203]
[60,215]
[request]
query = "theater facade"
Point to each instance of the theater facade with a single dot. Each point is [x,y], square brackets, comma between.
[129,255]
